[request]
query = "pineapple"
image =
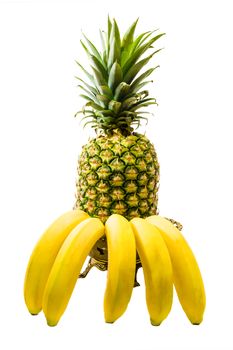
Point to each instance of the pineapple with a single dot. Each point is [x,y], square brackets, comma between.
[118,170]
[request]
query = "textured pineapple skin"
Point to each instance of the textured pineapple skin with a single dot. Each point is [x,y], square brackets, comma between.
[118,175]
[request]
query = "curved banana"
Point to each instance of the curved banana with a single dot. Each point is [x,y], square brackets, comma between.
[43,256]
[187,277]
[121,266]
[157,269]
[67,266]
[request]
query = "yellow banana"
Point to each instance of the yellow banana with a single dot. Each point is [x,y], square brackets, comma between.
[67,266]
[157,269]
[187,277]
[43,256]
[121,266]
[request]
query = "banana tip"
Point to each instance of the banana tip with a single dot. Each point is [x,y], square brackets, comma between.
[34,310]
[110,322]
[156,324]
[51,324]
[196,323]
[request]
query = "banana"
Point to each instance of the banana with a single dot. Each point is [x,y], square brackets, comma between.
[157,269]
[121,266]
[187,277]
[67,266]
[43,256]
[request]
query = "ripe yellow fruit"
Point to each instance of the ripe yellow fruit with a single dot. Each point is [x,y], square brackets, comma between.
[186,273]
[121,266]
[43,256]
[157,269]
[67,267]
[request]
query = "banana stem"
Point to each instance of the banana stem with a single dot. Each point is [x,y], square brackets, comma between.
[136,283]
[177,224]
[101,265]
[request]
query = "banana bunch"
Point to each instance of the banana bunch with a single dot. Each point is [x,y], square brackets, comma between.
[165,256]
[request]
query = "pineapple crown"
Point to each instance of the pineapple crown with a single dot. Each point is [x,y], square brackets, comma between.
[115,94]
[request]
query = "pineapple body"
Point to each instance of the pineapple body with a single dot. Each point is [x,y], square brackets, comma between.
[118,174]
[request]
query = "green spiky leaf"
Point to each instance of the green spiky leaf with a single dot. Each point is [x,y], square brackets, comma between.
[121,91]
[141,85]
[87,92]
[128,37]
[100,80]
[90,88]
[143,104]
[103,98]
[134,70]
[114,106]
[115,33]
[129,102]
[142,38]
[143,76]
[99,66]
[85,71]
[86,97]
[108,34]
[94,106]
[103,40]
[93,49]
[114,53]
[114,45]
[115,76]
[126,54]
[139,52]
[105,90]
[105,113]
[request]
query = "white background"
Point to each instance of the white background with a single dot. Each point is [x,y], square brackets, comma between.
[40,141]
